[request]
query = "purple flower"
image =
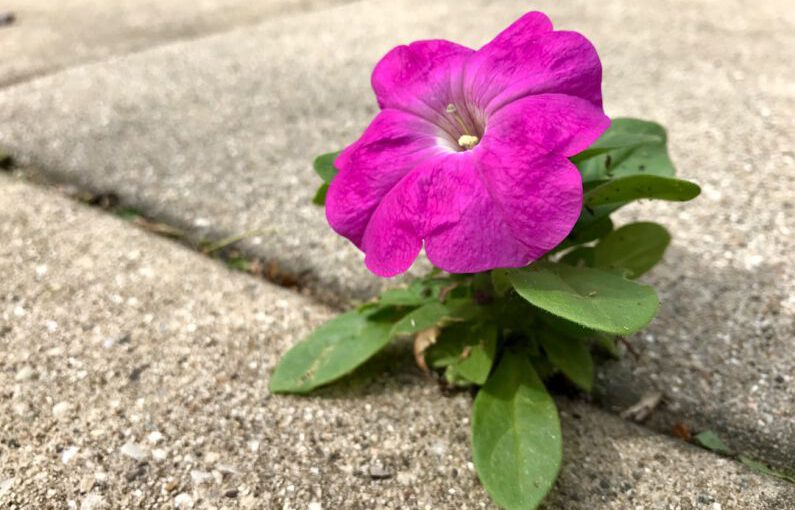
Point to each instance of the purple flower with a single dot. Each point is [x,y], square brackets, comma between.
[469,151]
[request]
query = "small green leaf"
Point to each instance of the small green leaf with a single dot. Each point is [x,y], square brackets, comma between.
[500,281]
[449,345]
[710,440]
[614,139]
[579,257]
[419,292]
[571,356]
[477,358]
[765,469]
[593,298]
[324,166]
[636,247]
[331,351]
[516,437]
[609,159]
[421,319]
[607,344]
[320,195]
[467,350]
[634,187]
[586,231]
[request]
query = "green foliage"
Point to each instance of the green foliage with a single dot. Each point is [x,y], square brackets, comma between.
[466,351]
[636,247]
[324,167]
[635,187]
[643,151]
[516,437]
[593,298]
[333,350]
[531,322]
[571,355]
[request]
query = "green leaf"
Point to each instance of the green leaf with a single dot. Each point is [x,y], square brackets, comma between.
[500,281]
[586,231]
[710,440]
[421,319]
[324,166]
[571,356]
[644,152]
[419,292]
[579,257]
[634,187]
[607,344]
[466,350]
[765,469]
[614,139]
[593,298]
[320,195]
[478,356]
[516,437]
[636,247]
[331,351]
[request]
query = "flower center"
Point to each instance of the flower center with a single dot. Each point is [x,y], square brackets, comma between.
[464,127]
[468,141]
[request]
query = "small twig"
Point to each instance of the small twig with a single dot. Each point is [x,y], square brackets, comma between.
[228,241]
[630,347]
[644,407]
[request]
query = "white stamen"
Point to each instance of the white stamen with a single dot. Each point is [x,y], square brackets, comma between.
[468,141]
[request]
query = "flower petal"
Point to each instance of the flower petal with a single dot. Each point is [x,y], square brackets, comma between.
[393,144]
[422,78]
[466,231]
[538,193]
[565,125]
[522,61]
[393,238]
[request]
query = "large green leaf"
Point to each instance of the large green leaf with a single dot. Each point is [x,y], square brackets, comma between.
[628,147]
[331,351]
[516,438]
[636,247]
[571,356]
[593,298]
[634,187]
[324,166]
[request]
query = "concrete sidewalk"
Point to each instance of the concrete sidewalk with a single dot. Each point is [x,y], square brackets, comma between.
[46,36]
[216,135]
[135,376]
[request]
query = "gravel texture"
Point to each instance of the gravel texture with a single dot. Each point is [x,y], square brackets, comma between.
[46,36]
[135,376]
[217,135]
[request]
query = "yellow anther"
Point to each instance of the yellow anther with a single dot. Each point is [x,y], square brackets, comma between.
[468,141]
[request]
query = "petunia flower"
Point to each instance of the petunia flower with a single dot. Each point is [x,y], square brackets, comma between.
[469,153]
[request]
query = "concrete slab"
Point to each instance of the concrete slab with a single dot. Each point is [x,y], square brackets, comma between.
[46,36]
[217,135]
[135,375]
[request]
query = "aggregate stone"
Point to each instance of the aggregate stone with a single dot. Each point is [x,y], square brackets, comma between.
[211,338]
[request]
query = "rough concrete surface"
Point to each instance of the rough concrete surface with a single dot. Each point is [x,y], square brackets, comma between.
[135,376]
[46,36]
[218,134]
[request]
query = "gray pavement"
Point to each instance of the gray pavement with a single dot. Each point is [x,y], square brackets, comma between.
[216,135]
[46,36]
[135,376]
